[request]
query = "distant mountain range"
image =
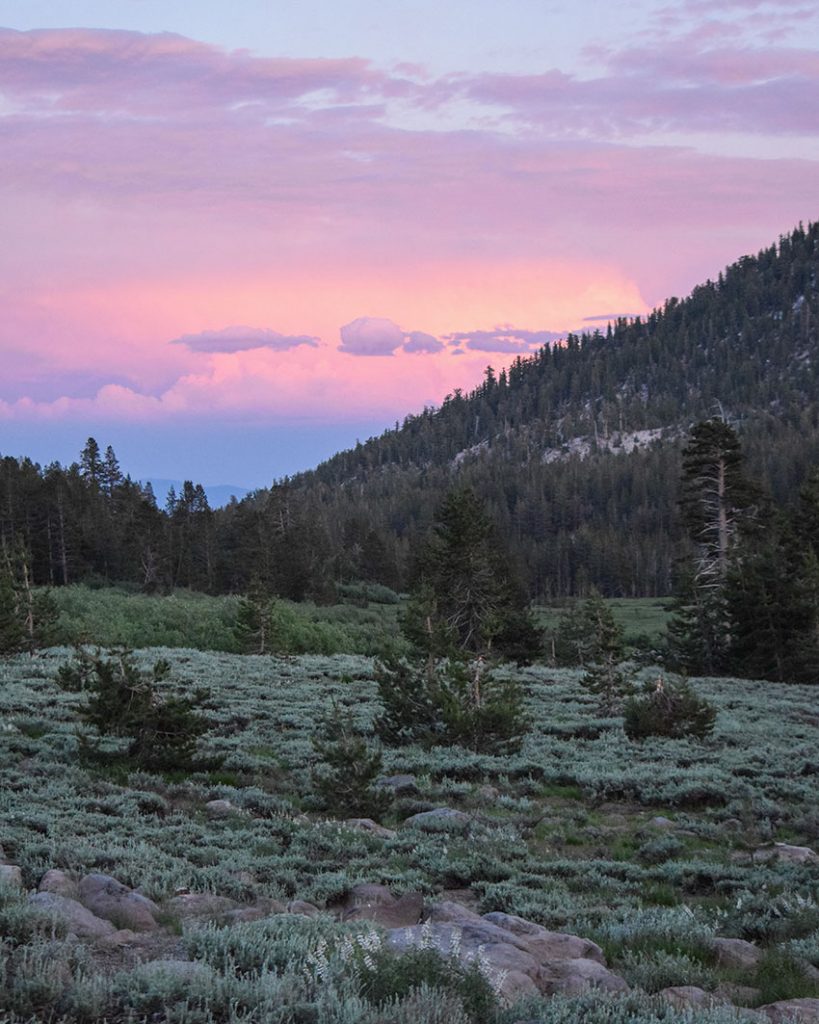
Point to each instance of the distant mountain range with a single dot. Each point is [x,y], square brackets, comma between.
[219,495]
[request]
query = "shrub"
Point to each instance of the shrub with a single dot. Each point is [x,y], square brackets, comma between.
[122,701]
[780,975]
[763,916]
[660,849]
[668,709]
[659,970]
[384,978]
[455,702]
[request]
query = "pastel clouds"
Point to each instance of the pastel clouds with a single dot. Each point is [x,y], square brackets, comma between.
[153,186]
[377,336]
[240,339]
[505,339]
[260,386]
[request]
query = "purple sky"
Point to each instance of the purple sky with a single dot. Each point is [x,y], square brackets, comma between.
[238,238]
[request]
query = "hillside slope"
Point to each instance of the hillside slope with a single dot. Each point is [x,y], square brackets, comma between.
[577,448]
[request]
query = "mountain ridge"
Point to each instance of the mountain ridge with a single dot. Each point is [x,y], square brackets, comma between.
[743,346]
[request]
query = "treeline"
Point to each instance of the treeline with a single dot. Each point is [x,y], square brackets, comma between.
[90,523]
[574,451]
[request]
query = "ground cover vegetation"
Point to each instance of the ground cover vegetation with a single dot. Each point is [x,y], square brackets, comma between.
[651,849]
[574,450]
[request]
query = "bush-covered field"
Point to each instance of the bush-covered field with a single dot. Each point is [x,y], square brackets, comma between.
[364,623]
[644,619]
[560,833]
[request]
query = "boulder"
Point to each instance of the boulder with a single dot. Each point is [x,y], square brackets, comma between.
[368,825]
[401,785]
[741,995]
[450,912]
[784,853]
[660,822]
[514,986]
[439,819]
[573,977]
[689,996]
[549,945]
[736,953]
[11,875]
[793,1011]
[255,912]
[60,882]
[110,899]
[376,903]
[220,809]
[512,948]
[77,920]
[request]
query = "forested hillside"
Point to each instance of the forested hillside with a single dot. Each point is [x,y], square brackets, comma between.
[575,450]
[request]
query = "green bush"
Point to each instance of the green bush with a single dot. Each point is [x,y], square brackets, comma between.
[781,975]
[453,702]
[385,978]
[122,701]
[668,709]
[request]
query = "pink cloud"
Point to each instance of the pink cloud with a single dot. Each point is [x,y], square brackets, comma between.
[371,336]
[130,72]
[240,339]
[505,338]
[377,336]
[155,186]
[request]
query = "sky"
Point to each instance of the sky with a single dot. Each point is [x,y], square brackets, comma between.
[239,237]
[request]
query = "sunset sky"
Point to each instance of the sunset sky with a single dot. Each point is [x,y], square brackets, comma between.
[238,236]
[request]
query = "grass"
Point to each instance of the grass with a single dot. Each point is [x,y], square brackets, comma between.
[640,617]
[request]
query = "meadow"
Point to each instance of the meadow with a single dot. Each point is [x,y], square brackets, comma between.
[647,849]
[362,622]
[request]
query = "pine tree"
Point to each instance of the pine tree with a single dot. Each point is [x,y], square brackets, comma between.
[718,507]
[348,767]
[123,701]
[12,631]
[605,650]
[254,627]
[90,462]
[668,708]
[466,601]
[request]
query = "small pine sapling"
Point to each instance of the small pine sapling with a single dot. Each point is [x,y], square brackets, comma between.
[456,702]
[671,709]
[344,779]
[122,701]
[605,649]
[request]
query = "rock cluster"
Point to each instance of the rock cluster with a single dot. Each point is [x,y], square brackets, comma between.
[521,957]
